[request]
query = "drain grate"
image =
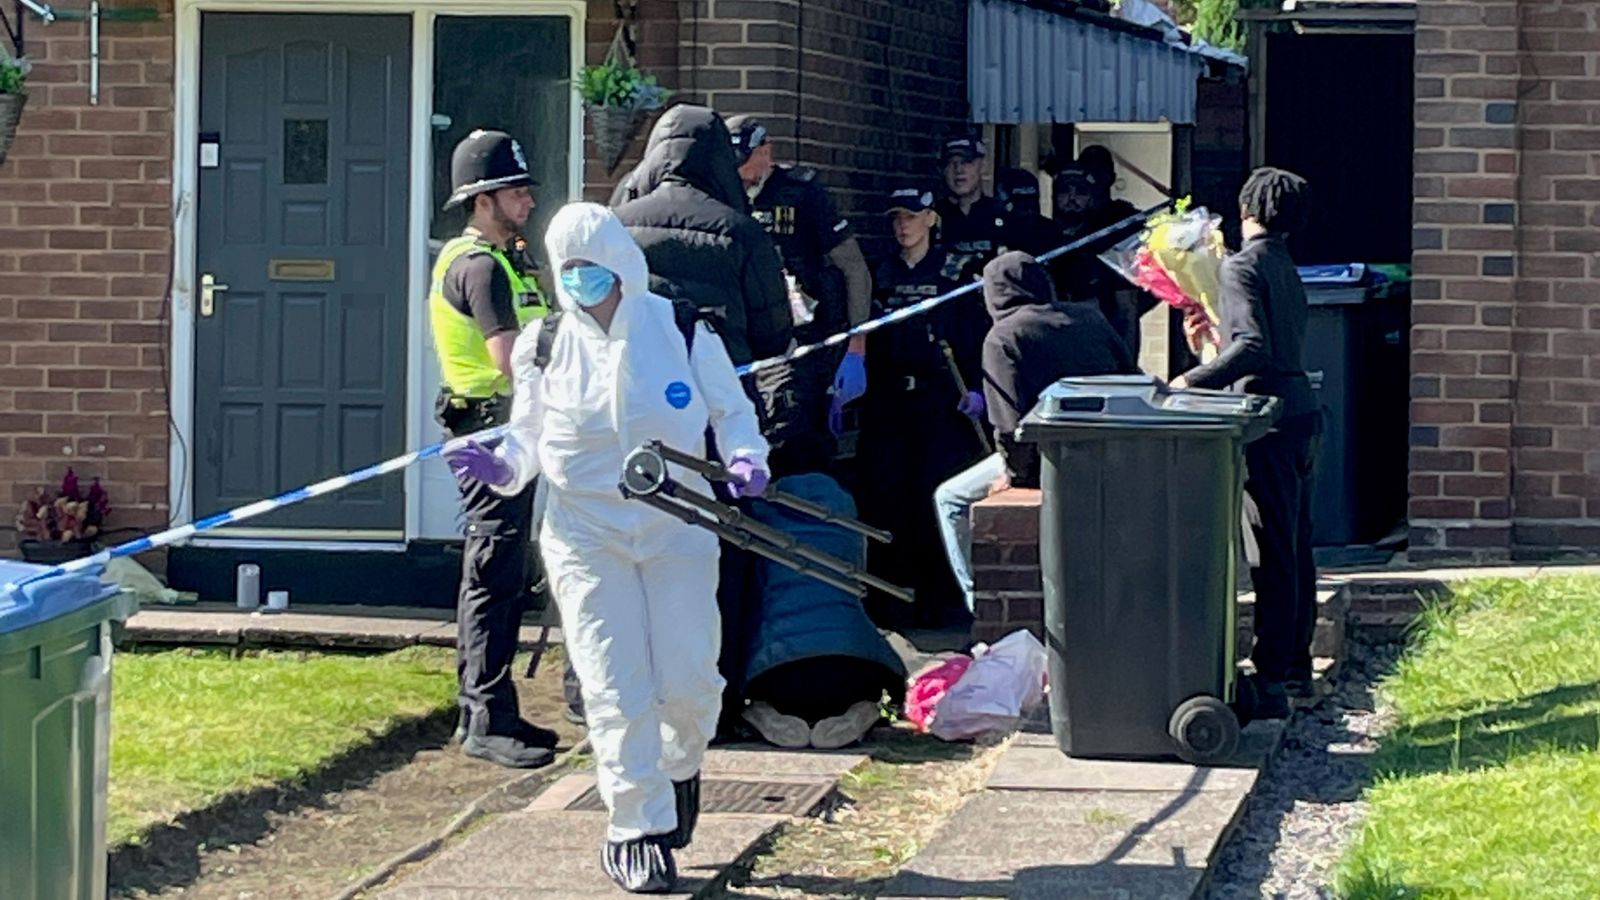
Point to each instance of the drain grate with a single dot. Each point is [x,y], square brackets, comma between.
[782,798]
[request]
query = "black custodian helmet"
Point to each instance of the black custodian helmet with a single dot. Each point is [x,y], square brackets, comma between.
[486,161]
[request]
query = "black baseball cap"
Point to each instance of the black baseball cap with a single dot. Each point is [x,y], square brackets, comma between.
[910,199]
[1017,183]
[1077,171]
[968,147]
[749,134]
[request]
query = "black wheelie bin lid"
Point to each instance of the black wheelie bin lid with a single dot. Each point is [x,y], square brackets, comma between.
[1126,403]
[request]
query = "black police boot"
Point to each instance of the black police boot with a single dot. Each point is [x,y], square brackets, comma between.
[504,750]
[533,735]
[640,866]
[687,795]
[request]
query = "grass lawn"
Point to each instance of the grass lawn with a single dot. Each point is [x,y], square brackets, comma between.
[1489,778]
[190,726]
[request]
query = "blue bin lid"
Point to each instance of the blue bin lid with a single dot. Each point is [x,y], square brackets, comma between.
[48,598]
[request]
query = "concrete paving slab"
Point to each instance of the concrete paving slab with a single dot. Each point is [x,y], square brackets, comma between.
[557,855]
[1052,844]
[1023,768]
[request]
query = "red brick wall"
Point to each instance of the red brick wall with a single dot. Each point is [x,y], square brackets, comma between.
[656,39]
[1505,391]
[861,89]
[85,214]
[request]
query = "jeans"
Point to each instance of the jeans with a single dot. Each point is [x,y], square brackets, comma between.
[952,503]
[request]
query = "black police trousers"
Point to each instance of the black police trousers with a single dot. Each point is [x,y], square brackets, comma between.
[489,607]
[911,441]
[1277,512]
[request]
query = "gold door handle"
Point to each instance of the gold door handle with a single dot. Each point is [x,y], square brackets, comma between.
[209,289]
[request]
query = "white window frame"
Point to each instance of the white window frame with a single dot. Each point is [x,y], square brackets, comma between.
[185,185]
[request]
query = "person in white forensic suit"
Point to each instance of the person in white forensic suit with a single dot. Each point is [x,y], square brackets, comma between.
[635,586]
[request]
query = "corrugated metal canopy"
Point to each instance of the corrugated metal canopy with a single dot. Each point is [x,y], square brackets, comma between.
[1031,65]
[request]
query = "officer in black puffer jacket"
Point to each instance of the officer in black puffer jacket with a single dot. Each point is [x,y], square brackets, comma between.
[686,207]
[688,214]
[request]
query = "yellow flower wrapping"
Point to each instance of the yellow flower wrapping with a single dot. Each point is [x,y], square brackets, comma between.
[1197,270]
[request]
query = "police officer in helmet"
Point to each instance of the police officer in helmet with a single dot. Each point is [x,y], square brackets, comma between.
[478,302]
[830,282]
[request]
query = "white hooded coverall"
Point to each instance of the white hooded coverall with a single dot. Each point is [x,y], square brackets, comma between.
[636,587]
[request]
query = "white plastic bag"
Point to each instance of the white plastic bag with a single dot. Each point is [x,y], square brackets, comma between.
[1004,682]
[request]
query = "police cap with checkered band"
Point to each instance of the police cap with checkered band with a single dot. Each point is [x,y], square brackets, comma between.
[486,161]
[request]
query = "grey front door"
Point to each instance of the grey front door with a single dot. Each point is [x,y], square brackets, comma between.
[300,361]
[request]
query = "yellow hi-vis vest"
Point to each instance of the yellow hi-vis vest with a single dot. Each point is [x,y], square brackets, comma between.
[464,362]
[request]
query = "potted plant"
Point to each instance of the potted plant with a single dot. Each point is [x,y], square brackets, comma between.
[617,96]
[61,525]
[13,94]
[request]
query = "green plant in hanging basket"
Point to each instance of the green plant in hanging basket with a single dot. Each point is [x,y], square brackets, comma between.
[617,95]
[13,95]
[615,84]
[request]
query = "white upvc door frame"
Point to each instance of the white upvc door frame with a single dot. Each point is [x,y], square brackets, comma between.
[185,185]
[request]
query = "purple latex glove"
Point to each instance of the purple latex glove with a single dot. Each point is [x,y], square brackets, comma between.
[479,462]
[972,406]
[749,479]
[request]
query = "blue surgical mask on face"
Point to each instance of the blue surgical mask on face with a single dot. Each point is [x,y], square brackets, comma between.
[588,284]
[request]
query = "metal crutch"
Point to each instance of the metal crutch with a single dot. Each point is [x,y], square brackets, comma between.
[645,478]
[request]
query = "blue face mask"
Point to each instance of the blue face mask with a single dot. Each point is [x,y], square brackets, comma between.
[588,284]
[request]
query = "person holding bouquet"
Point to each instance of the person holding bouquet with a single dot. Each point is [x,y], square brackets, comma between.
[1263,336]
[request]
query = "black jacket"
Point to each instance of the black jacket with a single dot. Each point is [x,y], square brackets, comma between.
[702,248]
[1035,342]
[1263,327]
[911,348]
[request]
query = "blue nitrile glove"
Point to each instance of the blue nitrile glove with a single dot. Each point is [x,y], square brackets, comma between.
[850,379]
[479,462]
[749,479]
[972,406]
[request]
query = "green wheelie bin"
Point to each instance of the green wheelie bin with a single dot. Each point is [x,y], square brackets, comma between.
[55,711]
[1138,543]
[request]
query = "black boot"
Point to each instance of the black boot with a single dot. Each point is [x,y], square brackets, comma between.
[640,866]
[687,795]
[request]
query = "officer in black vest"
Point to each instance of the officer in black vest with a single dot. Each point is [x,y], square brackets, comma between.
[973,226]
[828,281]
[917,420]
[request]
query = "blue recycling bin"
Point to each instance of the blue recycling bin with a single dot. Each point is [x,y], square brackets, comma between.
[55,718]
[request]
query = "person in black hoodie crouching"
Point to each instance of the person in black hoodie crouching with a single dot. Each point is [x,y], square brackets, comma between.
[1035,341]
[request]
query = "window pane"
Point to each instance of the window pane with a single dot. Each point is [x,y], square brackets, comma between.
[510,73]
[305,151]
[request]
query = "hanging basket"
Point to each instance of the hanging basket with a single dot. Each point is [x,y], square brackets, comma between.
[614,128]
[10,114]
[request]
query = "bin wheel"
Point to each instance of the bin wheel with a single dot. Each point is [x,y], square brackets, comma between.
[1245,700]
[1205,730]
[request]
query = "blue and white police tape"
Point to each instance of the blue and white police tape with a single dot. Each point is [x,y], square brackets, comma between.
[340,482]
[920,307]
[259,508]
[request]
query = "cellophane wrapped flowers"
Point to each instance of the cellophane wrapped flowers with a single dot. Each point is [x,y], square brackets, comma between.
[1178,258]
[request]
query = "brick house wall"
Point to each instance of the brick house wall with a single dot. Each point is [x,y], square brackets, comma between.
[863,90]
[85,243]
[655,32]
[1505,440]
